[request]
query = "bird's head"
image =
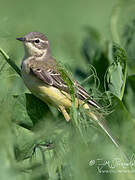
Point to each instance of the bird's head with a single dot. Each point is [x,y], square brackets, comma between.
[36,44]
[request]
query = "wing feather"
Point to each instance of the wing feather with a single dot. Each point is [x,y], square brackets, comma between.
[54,78]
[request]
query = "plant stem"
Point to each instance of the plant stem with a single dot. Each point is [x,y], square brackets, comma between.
[10,62]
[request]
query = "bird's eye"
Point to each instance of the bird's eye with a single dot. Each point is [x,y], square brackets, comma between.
[37,41]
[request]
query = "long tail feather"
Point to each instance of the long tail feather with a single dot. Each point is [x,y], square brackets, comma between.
[105,129]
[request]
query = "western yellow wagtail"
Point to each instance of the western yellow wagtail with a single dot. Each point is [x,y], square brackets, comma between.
[41,75]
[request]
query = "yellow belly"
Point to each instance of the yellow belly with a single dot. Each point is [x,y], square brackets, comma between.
[46,93]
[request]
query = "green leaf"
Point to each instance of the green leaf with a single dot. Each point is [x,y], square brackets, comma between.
[36,109]
[116,73]
[29,110]
[6,141]
[20,115]
[24,143]
[120,113]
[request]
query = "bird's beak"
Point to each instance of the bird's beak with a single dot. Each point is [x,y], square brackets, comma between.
[21,39]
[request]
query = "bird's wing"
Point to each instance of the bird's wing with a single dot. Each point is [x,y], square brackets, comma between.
[83,95]
[53,78]
[50,77]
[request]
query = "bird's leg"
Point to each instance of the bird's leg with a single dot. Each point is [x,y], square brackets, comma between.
[64,112]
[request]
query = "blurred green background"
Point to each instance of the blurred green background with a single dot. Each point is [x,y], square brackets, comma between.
[81,32]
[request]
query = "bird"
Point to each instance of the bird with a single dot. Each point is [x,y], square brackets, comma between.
[41,75]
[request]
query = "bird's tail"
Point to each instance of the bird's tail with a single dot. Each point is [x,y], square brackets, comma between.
[101,123]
